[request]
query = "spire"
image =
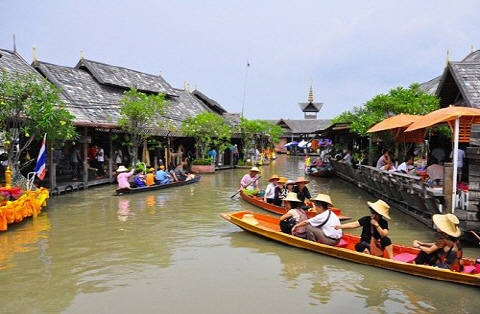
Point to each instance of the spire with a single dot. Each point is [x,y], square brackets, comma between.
[310,94]
[448,57]
[15,44]
[35,62]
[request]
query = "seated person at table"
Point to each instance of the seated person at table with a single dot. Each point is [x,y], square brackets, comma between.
[435,172]
[385,158]
[373,226]
[446,251]
[161,176]
[407,165]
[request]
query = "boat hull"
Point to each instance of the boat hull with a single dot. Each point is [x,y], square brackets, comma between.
[156,186]
[268,227]
[279,210]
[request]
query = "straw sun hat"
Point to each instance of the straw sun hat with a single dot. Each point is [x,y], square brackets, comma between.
[302,180]
[255,169]
[380,207]
[323,198]
[122,169]
[274,177]
[447,223]
[282,180]
[292,197]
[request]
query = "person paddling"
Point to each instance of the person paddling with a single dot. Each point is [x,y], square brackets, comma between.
[249,183]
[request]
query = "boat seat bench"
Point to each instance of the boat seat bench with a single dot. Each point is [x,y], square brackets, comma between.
[405,257]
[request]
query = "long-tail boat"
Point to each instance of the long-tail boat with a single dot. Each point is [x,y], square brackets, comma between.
[279,210]
[268,227]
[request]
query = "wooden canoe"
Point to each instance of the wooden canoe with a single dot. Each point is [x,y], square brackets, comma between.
[268,227]
[259,202]
[156,186]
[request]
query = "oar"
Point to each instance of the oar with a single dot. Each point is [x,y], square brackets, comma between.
[245,187]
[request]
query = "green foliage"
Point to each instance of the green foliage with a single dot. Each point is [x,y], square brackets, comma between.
[397,101]
[259,133]
[29,106]
[203,161]
[140,114]
[209,131]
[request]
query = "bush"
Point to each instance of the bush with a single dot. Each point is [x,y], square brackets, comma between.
[202,162]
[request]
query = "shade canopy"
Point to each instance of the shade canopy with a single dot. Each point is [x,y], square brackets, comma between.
[395,122]
[460,120]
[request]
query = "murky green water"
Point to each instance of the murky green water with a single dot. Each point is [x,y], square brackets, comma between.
[170,252]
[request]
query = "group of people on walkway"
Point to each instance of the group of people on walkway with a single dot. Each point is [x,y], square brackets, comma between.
[137,178]
[325,227]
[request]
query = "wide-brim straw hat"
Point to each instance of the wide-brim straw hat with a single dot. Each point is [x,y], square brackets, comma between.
[282,180]
[447,223]
[324,198]
[122,169]
[302,180]
[274,177]
[292,197]
[290,182]
[380,207]
[254,169]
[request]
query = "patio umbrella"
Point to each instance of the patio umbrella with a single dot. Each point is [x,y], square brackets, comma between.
[302,144]
[460,120]
[398,124]
[294,143]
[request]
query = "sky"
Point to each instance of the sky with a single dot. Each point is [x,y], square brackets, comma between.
[259,57]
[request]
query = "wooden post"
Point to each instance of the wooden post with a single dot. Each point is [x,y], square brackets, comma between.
[448,187]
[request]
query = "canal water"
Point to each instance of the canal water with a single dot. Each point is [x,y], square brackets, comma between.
[170,252]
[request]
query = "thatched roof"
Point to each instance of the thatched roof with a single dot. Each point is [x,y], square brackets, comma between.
[304,126]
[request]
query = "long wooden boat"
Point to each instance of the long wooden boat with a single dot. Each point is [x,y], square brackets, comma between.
[156,186]
[268,227]
[279,210]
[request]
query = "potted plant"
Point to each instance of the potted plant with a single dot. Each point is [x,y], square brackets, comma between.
[203,165]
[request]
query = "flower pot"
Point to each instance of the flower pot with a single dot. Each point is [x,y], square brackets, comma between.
[203,168]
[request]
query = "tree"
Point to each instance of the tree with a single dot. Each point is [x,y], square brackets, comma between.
[399,100]
[30,107]
[259,133]
[140,114]
[209,131]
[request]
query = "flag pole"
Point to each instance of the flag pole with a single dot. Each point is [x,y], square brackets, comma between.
[245,87]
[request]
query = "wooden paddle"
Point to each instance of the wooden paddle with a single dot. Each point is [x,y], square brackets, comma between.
[476,235]
[245,187]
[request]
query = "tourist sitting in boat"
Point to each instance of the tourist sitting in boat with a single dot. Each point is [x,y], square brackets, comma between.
[269,195]
[123,176]
[385,158]
[301,189]
[321,228]
[287,188]
[150,177]
[249,182]
[407,165]
[139,179]
[374,226]
[446,251]
[280,192]
[293,217]
[161,176]
[179,174]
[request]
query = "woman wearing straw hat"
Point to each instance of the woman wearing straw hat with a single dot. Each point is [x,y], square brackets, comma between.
[373,226]
[446,251]
[123,176]
[294,216]
[301,189]
[321,228]
[280,192]
[249,182]
[269,195]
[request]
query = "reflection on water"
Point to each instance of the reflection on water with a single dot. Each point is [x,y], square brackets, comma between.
[168,251]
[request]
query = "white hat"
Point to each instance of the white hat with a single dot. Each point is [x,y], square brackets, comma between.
[255,169]
[323,198]
[292,197]
[122,169]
